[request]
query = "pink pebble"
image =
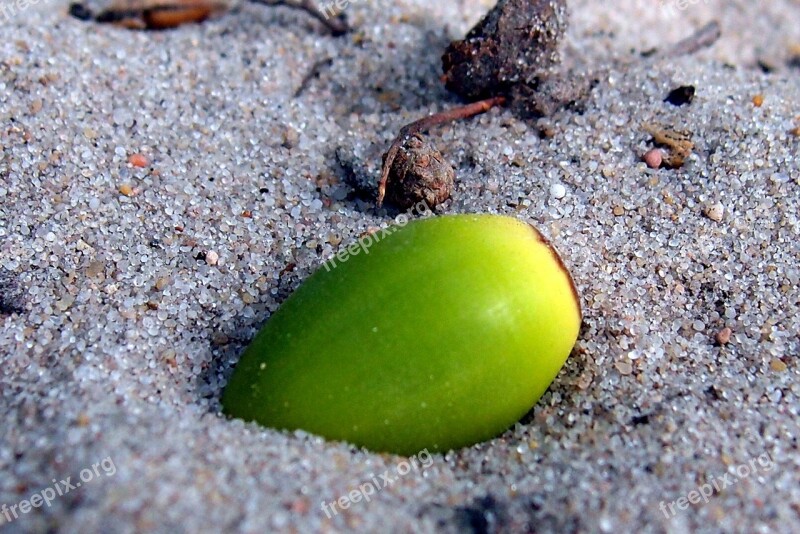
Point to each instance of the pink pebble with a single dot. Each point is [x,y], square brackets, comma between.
[653,158]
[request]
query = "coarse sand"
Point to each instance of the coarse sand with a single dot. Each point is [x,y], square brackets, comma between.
[161,193]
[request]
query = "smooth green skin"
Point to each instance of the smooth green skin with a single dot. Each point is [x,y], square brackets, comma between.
[440,335]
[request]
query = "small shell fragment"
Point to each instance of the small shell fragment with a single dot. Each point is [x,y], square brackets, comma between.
[723,337]
[558,191]
[715,212]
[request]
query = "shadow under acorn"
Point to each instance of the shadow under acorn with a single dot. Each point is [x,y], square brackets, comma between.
[233,336]
[524,512]
[11,300]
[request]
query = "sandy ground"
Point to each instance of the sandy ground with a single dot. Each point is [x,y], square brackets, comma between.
[117,337]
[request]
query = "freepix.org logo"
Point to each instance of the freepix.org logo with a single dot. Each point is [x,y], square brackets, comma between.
[10,513]
[366,490]
[334,8]
[681,5]
[715,485]
[363,244]
[11,8]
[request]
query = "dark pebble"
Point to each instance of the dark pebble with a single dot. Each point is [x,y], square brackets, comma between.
[681,95]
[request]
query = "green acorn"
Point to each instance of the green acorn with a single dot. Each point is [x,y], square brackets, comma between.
[433,335]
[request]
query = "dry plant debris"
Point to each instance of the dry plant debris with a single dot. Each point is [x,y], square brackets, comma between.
[421,174]
[505,58]
[678,142]
[165,14]
[511,58]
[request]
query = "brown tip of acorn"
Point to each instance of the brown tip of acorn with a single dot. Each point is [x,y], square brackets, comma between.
[576,297]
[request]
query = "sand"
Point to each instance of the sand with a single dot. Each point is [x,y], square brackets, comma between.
[129,293]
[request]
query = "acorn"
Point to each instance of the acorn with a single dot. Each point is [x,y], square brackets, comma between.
[435,334]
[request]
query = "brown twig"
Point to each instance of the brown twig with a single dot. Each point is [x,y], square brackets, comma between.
[171,13]
[336,24]
[702,38]
[313,73]
[462,112]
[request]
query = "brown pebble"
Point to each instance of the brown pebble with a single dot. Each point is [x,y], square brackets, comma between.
[247,214]
[138,160]
[653,158]
[290,138]
[547,132]
[95,268]
[723,337]
[220,339]
[299,506]
[758,100]
[619,211]
[169,357]
[585,381]
[777,365]
[126,189]
[161,283]
[514,42]
[212,257]
[624,368]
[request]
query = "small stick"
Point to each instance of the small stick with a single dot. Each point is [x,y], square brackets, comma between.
[151,15]
[171,13]
[702,38]
[314,72]
[462,112]
[337,25]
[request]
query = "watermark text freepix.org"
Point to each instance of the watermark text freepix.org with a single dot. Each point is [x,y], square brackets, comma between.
[704,492]
[10,8]
[334,8]
[365,491]
[58,489]
[363,244]
[681,5]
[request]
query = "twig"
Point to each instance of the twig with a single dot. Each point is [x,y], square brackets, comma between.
[153,16]
[314,72]
[172,13]
[702,38]
[462,112]
[337,25]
